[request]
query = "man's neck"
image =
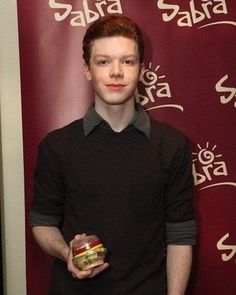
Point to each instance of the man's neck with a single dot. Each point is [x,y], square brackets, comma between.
[117,116]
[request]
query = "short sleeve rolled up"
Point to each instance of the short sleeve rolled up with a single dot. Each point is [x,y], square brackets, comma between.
[48,189]
[179,191]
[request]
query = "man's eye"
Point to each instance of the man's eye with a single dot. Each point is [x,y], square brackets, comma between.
[102,62]
[128,62]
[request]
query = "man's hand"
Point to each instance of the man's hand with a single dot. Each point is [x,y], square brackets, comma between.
[83,274]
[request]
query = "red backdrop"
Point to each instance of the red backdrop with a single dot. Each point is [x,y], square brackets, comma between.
[189,82]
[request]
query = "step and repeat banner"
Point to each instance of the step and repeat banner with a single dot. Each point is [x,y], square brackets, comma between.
[189,82]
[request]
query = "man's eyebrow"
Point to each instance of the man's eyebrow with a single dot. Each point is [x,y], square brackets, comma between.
[101,55]
[122,56]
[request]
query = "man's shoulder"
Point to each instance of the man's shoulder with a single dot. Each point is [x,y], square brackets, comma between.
[65,135]
[167,133]
[71,128]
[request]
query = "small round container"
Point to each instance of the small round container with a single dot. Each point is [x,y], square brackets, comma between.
[88,252]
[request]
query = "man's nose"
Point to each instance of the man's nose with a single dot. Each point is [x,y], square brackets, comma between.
[116,69]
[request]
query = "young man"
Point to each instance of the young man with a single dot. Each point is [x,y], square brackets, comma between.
[120,175]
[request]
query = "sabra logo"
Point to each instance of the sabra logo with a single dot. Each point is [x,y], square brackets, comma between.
[197,13]
[229,250]
[156,91]
[222,88]
[207,168]
[86,15]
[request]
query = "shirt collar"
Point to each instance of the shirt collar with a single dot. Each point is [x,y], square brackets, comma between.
[140,121]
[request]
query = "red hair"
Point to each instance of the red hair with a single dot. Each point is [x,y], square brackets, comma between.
[110,26]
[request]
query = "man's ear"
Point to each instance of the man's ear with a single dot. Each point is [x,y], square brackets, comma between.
[87,72]
[142,68]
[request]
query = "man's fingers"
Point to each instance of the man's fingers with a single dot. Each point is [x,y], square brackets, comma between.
[82,274]
[77,237]
[98,269]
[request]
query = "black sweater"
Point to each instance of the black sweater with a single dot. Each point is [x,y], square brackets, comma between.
[124,188]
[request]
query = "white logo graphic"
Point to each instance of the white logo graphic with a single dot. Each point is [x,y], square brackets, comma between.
[196,14]
[222,88]
[155,91]
[207,168]
[85,15]
[229,250]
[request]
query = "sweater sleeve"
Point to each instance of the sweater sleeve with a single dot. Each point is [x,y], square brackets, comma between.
[180,219]
[179,190]
[48,200]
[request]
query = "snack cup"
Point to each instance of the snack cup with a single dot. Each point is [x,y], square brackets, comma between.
[88,252]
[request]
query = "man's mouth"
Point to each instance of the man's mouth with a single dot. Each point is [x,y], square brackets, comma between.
[115,86]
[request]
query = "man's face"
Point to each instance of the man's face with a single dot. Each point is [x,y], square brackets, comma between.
[114,69]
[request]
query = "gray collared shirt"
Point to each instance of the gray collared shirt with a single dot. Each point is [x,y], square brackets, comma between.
[140,121]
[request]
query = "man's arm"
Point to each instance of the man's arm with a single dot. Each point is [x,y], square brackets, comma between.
[179,261]
[52,242]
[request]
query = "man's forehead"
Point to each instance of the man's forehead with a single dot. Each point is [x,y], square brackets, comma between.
[113,38]
[116,44]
